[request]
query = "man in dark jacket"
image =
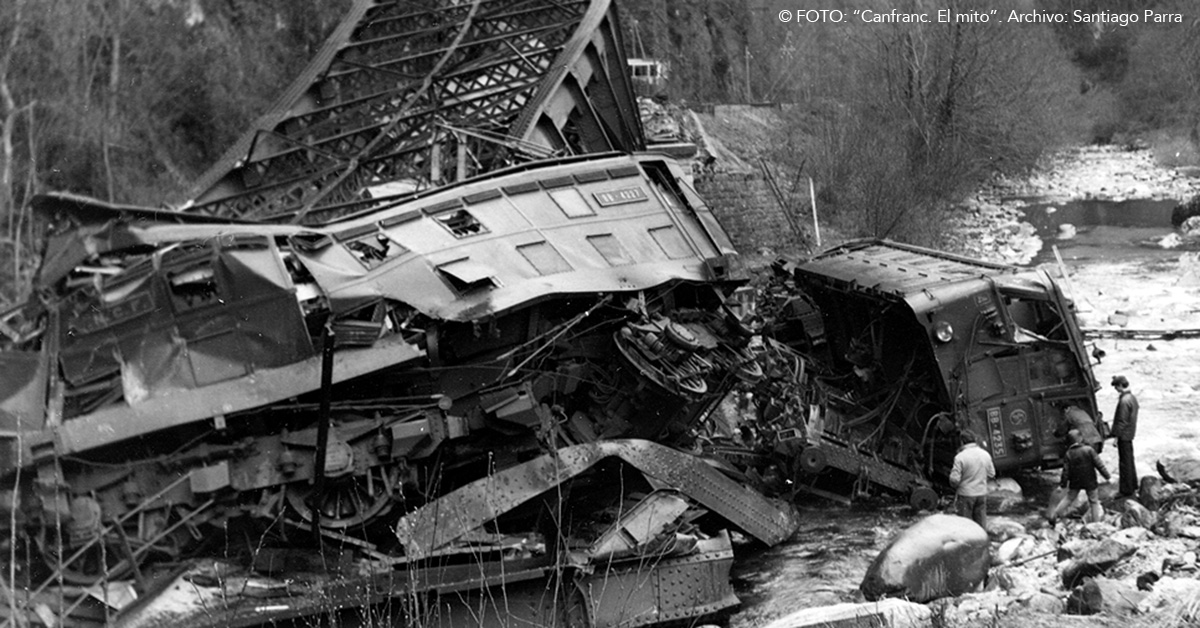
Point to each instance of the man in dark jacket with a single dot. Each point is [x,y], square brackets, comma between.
[1079,474]
[1124,427]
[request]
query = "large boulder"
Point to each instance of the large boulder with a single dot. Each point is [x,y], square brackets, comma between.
[1095,559]
[1101,595]
[1179,468]
[939,556]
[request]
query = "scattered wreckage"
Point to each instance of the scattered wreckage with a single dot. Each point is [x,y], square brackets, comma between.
[497,371]
[512,413]
[444,318]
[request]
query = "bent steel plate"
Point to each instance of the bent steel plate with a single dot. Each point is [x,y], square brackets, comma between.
[425,530]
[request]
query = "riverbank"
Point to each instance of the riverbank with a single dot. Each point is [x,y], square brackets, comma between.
[1160,290]
[1140,289]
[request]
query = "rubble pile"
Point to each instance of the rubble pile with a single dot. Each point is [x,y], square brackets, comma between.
[1113,567]
[995,231]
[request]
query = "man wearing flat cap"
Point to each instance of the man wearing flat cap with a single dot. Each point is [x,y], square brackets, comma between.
[1124,426]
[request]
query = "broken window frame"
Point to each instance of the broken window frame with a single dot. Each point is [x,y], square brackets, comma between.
[470,226]
[361,244]
[463,284]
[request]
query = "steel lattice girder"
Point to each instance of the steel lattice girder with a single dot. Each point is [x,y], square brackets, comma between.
[429,93]
[486,593]
[425,530]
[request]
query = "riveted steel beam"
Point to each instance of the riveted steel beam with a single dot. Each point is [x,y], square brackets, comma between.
[428,93]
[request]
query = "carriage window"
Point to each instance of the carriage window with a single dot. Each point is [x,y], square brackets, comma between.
[572,203]
[375,249]
[461,223]
[193,286]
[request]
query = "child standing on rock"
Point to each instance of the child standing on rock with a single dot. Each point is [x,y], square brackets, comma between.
[1079,474]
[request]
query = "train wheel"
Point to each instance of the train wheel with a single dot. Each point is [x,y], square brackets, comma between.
[347,501]
[923,498]
[812,460]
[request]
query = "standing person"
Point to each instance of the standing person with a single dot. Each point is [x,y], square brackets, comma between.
[969,476]
[1079,474]
[1124,427]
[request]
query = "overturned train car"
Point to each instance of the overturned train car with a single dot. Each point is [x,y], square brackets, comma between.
[907,348]
[475,402]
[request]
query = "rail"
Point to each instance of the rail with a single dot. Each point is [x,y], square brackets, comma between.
[1140,334]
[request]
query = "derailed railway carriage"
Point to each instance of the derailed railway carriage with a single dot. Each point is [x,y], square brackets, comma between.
[180,375]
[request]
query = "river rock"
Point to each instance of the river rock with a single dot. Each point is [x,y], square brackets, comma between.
[1004,495]
[1179,468]
[1002,528]
[1017,581]
[1073,548]
[1179,523]
[1182,595]
[1097,558]
[1170,241]
[1066,231]
[1150,492]
[1187,532]
[1191,227]
[938,556]
[1133,535]
[1097,529]
[1102,595]
[1185,210]
[1042,602]
[1137,516]
[1015,548]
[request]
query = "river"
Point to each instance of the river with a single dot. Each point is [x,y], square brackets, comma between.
[824,562]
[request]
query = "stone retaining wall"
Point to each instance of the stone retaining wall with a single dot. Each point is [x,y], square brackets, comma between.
[752,216]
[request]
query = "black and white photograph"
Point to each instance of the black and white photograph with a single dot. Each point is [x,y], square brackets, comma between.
[599,313]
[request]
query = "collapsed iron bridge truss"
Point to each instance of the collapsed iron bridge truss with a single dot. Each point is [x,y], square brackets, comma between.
[411,95]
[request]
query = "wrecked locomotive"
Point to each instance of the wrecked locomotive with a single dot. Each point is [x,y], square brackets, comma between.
[909,346]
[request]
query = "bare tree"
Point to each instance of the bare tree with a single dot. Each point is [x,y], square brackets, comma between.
[12,212]
[928,111]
